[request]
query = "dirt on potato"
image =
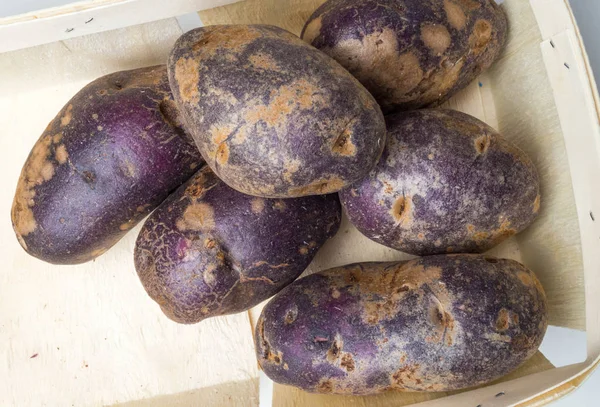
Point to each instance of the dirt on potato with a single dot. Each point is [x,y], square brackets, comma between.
[209,250]
[111,155]
[446,183]
[273,116]
[410,53]
[433,324]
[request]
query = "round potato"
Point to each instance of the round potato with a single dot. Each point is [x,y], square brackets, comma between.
[111,155]
[209,250]
[273,116]
[446,183]
[438,323]
[410,53]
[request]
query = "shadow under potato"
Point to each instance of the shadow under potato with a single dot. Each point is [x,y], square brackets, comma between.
[234,394]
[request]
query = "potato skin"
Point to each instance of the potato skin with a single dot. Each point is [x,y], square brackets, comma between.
[209,250]
[446,183]
[111,155]
[437,323]
[272,116]
[410,53]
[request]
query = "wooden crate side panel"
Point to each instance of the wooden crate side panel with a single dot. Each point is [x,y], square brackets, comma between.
[97,336]
[88,17]
[527,114]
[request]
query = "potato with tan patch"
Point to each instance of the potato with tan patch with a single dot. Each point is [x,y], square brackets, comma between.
[446,183]
[272,116]
[209,250]
[439,323]
[410,53]
[111,155]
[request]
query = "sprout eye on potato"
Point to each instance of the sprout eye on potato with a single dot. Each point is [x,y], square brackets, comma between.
[439,323]
[209,250]
[410,53]
[273,116]
[111,155]
[446,183]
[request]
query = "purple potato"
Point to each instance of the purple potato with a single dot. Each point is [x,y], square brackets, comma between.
[209,250]
[446,183]
[410,53]
[438,323]
[111,155]
[272,116]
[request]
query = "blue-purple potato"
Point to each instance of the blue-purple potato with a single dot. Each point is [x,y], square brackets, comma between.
[410,53]
[446,183]
[210,250]
[273,116]
[438,323]
[111,155]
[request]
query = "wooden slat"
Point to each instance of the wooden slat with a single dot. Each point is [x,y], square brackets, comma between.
[288,14]
[90,16]
[527,114]
[63,314]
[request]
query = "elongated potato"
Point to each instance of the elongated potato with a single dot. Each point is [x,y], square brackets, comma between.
[438,323]
[446,183]
[272,116]
[209,250]
[410,53]
[112,154]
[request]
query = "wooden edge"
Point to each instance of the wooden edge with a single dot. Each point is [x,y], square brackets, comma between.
[559,391]
[556,16]
[60,10]
[519,392]
[577,102]
[91,16]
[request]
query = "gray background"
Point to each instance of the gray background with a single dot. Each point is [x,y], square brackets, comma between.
[587,13]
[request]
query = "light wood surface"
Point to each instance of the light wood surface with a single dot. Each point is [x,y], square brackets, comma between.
[85,17]
[99,340]
[288,14]
[527,114]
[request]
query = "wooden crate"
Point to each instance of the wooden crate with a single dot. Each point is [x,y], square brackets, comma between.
[75,18]
[89,335]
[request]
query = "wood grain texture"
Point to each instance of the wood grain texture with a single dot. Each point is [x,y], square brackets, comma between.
[98,339]
[89,16]
[232,394]
[288,14]
[527,115]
